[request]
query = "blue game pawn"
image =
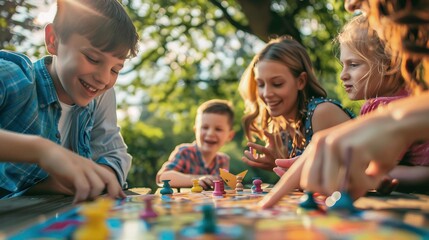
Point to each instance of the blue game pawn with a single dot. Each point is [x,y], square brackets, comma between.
[340,201]
[166,188]
[307,201]
[208,224]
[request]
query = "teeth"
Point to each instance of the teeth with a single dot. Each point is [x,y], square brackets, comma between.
[87,86]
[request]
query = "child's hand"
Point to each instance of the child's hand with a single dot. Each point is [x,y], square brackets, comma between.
[387,185]
[72,174]
[266,155]
[206,181]
[283,165]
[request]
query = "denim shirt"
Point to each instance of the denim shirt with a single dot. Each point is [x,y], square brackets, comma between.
[29,104]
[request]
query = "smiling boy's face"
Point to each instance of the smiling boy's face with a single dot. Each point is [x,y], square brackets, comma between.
[80,71]
[212,131]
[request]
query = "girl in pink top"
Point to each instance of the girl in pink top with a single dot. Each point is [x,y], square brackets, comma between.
[365,61]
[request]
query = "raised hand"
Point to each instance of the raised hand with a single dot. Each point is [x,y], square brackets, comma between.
[265,156]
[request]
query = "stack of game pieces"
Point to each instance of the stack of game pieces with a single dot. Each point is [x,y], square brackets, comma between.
[94,226]
[196,188]
[148,211]
[239,185]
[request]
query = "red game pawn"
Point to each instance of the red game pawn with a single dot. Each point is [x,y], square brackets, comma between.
[148,211]
[217,189]
[222,187]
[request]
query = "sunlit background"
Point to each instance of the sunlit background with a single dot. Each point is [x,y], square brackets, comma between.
[190,51]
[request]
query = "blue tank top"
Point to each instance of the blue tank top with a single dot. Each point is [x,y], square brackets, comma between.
[308,133]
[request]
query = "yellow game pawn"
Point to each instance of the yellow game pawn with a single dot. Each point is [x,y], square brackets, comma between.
[95,226]
[196,188]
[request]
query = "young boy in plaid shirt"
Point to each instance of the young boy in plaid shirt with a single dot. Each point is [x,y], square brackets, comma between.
[201,159]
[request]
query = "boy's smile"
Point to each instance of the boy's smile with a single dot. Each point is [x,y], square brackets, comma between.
[212,131]
[80,71]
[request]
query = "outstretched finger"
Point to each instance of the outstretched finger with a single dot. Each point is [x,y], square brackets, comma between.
[288,182]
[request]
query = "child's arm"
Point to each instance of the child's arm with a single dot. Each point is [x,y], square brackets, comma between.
[411,178]
[178,179]
[81,176]
[327,115]
[107,143]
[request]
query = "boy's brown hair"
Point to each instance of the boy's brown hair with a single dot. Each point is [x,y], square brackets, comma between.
[105,23]
[218,106]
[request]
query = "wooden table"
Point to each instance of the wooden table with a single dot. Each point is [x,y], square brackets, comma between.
[18,212]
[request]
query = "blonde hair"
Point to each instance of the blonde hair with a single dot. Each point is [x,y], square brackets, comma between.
[292,54]
[364,41]
[405,28]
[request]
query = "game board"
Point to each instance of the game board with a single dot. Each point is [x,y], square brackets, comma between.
[237,217]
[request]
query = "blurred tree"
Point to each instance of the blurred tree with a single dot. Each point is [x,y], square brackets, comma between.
[15,22]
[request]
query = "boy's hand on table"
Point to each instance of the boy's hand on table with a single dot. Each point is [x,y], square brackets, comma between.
[72,174]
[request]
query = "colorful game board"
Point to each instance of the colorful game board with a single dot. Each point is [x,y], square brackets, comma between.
[235,216]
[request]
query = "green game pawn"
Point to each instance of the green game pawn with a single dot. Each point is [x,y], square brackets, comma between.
[196,188]
[166,188]
[208,224]
[308,202]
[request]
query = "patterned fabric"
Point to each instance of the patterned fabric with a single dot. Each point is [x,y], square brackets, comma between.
[186,158]
[418,153]
[29,104]
[311,106]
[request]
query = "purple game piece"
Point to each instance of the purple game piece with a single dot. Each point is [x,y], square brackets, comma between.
[257,186]
[148,211]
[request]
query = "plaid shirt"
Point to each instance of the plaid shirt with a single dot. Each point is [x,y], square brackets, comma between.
[29,104]
[186,158]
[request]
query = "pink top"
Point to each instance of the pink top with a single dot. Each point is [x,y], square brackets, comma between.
[418,153]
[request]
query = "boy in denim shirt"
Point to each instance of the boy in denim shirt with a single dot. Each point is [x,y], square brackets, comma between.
[68,97]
